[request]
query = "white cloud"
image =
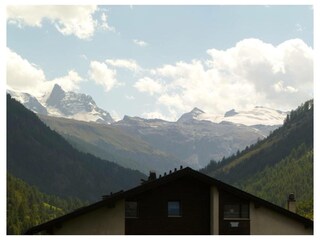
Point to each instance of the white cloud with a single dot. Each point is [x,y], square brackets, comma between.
[68,20]
[140,42]
[84,57]
[27,77]
[102,75]
[104,24]
[148,85]
[172,101]
[70,82]
[23,75]
[279,87]
[124,63]
[154,115]
[129,97]
[299,27]
[248,74]
[115,115]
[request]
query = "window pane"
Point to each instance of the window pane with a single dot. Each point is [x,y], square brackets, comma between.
[174,208]
[231,211]
[131,209]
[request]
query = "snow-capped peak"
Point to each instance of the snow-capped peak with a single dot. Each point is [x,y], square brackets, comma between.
[77,106]
[60,103]
[257,116]
[190,116]
[28,101]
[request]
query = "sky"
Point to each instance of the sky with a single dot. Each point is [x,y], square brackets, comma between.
[162,61]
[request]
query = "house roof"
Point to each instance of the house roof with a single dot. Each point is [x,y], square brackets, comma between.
[152,184]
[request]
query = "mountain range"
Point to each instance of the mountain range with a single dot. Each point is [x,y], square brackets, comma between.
[82,107]
[143,144]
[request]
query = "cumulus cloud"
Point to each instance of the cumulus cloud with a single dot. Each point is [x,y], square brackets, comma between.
[102,75]
[124,63]
[115,115]
[299,27]
[28,77]
[68,20]
[70,82]
[23,75]
[248,74]
[129,97]
[104,23]
[140,42]
[148,85]
[154,115]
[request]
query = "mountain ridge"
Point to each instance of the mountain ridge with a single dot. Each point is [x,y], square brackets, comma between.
[82,107]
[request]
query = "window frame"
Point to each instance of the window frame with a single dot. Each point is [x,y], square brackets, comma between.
[136,209]
[179,209]
[241,215]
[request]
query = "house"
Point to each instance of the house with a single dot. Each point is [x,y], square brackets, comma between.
[181,202]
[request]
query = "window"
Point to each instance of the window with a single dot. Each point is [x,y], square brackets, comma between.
[174,209]
[236,210]
[131,210]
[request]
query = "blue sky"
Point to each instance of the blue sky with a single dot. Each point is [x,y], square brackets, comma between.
[161,61]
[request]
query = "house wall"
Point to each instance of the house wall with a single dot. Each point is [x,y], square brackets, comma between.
[104,220]
[214,211]
[264,221]
[153,209]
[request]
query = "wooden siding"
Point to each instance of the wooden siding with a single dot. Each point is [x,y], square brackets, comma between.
[153,219]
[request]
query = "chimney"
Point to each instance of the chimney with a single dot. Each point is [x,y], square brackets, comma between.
[291,203]
[152,176]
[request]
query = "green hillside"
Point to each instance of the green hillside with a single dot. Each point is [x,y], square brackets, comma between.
[292,174]
[27,206]
[276,166]
[43,158]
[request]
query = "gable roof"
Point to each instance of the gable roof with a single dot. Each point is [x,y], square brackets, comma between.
[152,184]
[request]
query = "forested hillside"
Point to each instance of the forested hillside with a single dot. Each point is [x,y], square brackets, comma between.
[292,174]
[42,158]
[27,206]
[277,165]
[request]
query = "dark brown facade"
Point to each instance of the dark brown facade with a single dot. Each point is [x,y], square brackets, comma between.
[153,217]
[234,217]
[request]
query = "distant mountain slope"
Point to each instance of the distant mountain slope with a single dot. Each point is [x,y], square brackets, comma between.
[113,144]
[43,158]
[274,167]
[27,206]
[193,141]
